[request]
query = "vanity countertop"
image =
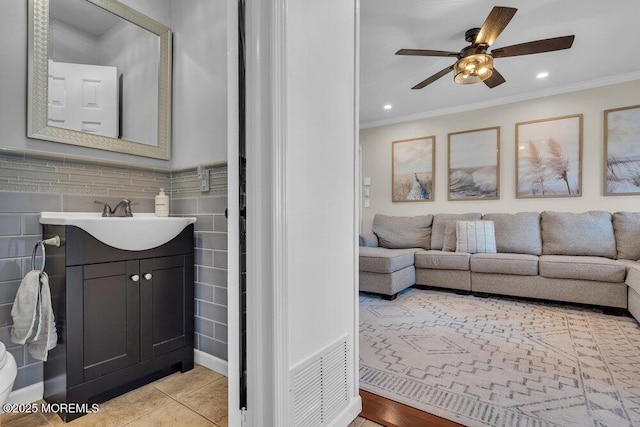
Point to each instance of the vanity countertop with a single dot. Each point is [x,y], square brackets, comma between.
[142,231]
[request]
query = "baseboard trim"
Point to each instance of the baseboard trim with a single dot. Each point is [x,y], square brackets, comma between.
[28,394]
[211,362]
[349,413]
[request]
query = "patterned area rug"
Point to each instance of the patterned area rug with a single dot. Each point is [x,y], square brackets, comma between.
[501,362]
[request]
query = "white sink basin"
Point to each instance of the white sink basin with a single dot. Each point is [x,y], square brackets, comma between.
[140,232]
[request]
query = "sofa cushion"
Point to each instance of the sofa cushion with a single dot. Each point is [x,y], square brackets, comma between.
[517,233]
[401,232]
[383,260]
[588,233]
[582,267]
[475,236]
[627,263]
[368,239]
[517,264]
[387,284]
[626,226]
[439,260]
[633,277]
[440,222]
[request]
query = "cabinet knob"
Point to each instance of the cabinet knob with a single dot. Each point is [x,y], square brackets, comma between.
[135,277]
[148,276]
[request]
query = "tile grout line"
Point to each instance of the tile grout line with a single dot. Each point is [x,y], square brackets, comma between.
[197,388]
[147,413]
[161,408]
[191,409]
[186,406]
[196,412]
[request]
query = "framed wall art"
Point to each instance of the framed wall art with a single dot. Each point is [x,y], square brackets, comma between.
[412,169]
[549,157]
[474,164]
[622,151]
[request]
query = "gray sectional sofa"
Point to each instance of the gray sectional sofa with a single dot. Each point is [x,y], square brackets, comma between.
[589,258]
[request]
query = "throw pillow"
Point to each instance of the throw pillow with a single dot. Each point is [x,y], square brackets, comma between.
[440,221]
[403,232]
[450,234]
[476,237]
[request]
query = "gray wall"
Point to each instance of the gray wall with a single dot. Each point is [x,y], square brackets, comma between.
[135,52]
[199,133]
[73,45]
[199,81]
[29,185]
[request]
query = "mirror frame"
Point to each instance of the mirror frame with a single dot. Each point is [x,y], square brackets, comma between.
[37,110]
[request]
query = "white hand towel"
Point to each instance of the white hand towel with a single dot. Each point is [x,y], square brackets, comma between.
[32,310]
[25,306]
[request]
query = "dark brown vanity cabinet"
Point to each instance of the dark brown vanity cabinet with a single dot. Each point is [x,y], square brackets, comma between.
[124,318]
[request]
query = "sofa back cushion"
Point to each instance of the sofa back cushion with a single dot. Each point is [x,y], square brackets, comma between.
[588,233]
[440,222]
[450,236]
[517,233]
[626,226]
[402,232]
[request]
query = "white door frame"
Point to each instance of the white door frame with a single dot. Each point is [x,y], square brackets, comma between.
[265,117]
[233,217]
[267,305]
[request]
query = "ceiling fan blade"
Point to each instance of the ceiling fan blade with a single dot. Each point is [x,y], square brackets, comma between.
[495,79]
[495,23]
[426,52]
[538,46]
[433,78]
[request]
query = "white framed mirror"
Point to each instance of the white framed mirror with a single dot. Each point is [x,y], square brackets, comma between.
[99,77]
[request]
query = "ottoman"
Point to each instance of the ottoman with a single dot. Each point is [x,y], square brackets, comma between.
[386,271]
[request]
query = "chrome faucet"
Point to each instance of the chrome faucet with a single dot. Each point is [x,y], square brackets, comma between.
[122,209]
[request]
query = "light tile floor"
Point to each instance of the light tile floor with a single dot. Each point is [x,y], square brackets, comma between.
[194,398]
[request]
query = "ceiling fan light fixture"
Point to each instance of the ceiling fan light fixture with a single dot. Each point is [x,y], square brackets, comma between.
[473,68]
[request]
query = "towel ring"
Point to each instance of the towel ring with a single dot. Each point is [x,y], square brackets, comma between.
[33,256]
[54,241]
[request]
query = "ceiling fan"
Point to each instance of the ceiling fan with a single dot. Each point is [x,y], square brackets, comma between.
[474,63]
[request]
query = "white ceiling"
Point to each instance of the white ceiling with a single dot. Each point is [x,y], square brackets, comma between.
[605,50]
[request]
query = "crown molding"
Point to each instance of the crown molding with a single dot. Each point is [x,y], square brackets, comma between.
[574,87]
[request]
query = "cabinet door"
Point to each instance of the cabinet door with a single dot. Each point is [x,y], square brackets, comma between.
[166,293]
[106,305]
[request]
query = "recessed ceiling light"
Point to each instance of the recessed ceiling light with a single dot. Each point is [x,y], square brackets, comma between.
[388,106]
[542,75]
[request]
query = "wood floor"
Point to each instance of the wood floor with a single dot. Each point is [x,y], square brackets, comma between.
[393,414]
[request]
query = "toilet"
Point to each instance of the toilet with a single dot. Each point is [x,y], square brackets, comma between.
[8,372]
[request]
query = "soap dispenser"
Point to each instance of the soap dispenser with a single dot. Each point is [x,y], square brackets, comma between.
[162,204]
